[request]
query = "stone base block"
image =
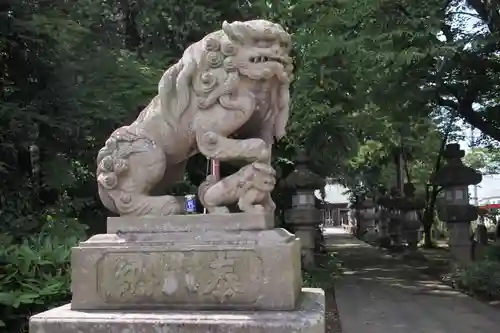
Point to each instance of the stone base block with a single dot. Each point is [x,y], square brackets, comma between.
[207,270]
[308,317]
[191,223]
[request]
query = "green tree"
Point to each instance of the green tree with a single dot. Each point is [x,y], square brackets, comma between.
[487,160]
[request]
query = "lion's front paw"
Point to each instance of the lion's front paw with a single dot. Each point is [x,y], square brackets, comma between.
[259,208]
[270,206]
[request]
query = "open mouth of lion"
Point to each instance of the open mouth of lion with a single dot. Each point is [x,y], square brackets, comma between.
[266,59]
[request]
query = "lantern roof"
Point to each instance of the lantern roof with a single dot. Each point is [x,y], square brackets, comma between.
[454,172]
[302,177]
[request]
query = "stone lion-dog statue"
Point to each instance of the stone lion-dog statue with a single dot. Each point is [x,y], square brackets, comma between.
[249,187]
[226,98]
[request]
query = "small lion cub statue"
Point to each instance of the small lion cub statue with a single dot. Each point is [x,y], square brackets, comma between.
[250,187]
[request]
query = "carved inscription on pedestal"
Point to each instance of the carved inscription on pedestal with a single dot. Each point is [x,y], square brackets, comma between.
[197,277]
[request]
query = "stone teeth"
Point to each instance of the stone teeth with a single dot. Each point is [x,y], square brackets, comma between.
[259,59]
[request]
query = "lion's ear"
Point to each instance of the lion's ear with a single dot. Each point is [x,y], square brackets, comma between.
[174,87]
[167,85]
[234,30]
[281,119]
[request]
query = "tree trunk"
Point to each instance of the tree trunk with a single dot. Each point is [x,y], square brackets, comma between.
[428,221]
[428,243]
[431,196]
[132,35]
[488,13]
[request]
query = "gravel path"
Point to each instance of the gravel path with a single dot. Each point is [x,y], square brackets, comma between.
[332,314]
[381,294]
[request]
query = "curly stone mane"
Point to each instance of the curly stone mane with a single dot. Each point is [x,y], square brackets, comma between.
[209,72]
[244,67]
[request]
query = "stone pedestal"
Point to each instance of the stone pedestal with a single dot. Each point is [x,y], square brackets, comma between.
[232,272]
[367,218]
[307,236]
[395,230]
[459,236]
[303,216]
[383,227]
[304,220]
[307,317]
[352,221]
[411,227]
[410,205]
[383,214]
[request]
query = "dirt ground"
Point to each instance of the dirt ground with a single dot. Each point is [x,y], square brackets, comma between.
[331,314]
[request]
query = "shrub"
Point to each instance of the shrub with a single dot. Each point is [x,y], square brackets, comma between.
[493,252]
[324,275]
[480,278]
[35,274]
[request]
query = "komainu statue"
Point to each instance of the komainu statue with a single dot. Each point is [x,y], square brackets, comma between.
[227,98]
[249,187]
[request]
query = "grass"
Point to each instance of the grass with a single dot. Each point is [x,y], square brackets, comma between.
[324,276]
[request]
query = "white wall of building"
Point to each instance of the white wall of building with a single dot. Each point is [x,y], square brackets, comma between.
[334,194]
[487,191]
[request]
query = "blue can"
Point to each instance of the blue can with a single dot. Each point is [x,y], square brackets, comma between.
[190,204]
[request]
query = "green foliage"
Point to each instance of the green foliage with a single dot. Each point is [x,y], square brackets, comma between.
[493,252]
[359,91]
[371,76]
[487,160]
[325,274]
[68,80]
[35,273]
[480,278]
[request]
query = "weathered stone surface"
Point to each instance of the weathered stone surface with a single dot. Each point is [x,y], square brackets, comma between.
[306,234]
[195,222]
[233,94]
[250,188]
[308,317]
[257,270]
[303,216]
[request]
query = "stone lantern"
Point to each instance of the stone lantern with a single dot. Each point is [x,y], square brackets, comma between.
[383,206]
[395,217]
[367,216]
[304,217]
[351,224]
[354,215]
[410,206]
[455,179]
